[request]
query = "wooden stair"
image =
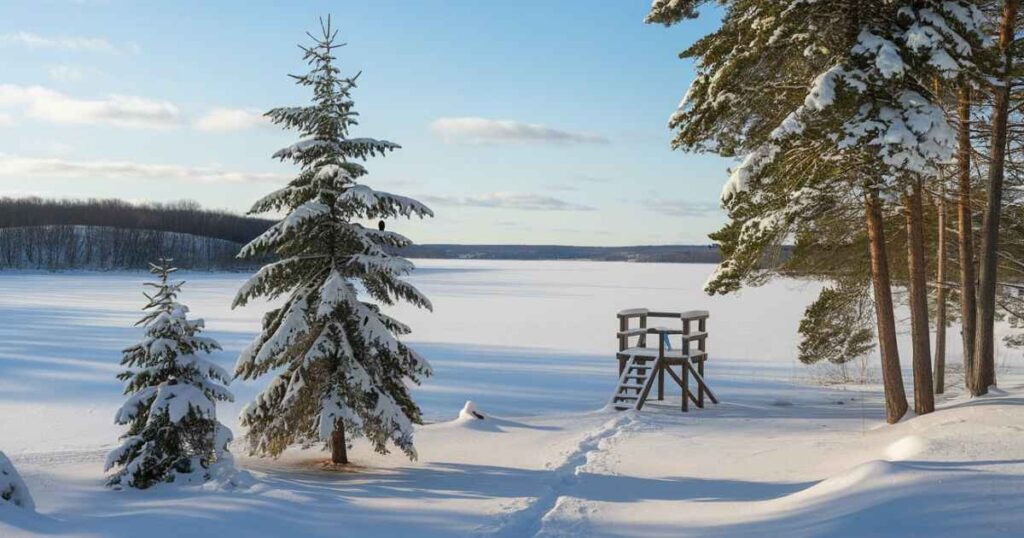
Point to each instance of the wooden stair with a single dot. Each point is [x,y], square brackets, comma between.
[634,383]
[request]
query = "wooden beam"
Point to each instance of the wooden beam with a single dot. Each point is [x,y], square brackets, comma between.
[700,380]
[647,387]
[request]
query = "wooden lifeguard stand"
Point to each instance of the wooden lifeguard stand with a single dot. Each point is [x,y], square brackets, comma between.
[640,366]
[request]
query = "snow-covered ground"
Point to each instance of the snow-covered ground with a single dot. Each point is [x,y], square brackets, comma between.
[532,344]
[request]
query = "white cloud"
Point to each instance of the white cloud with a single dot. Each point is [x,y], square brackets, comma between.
[485,131]
[66,73]
[26,167]
[118,110]
[6,120]
[88,44]
[683,208]
[509,200]
[231,119]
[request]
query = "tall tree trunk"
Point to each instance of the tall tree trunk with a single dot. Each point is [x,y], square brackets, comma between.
[892,375]
[965,231]
[940,293]
[339,452]
[924,398]
[984,344]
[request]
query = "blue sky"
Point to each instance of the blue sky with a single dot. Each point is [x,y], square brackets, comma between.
[521,122]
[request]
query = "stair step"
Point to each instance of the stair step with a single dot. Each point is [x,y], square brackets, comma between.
[634,387]
[626,397]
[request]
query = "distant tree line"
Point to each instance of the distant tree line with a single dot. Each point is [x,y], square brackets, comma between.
[37,233]
[184,216]
[102,248]
[646,254]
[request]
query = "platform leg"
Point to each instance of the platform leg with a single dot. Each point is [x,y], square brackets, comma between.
[686,389]
[661,383]
[700,386]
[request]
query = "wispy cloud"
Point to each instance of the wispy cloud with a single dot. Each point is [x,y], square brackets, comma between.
[486,131]
[118,110]
[231,119]
[66,73]
[28,167]
[682,208]
[509,200]
[74,43]
[574,185]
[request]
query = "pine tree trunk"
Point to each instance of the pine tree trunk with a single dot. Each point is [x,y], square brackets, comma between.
[940,286]
[892,376]
[984,344]
[924,398]
[339,452]
[965,231]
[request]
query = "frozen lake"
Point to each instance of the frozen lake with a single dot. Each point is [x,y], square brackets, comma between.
[520,338]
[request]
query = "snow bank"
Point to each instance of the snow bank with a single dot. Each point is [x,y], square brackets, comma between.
[13,490]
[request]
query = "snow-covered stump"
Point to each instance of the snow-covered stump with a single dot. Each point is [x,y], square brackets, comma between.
[171,412]
[470,412]
[13,491]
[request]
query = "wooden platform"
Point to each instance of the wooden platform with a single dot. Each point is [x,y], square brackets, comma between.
[641,367]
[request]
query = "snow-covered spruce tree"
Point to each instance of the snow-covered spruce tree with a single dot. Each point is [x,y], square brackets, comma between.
[13,490]
[830,104]
[173,432]
[338,363]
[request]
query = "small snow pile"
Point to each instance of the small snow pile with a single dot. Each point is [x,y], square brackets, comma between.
[12,487]
[470,412]
[906,448]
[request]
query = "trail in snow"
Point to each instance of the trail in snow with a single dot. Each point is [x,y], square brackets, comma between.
[528,521]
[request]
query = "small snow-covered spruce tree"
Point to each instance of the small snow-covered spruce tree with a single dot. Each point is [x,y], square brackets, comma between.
[173,433]
[338,363]
[13,490]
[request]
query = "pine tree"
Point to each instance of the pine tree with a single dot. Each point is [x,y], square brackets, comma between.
[12,488]
[983,372]
[836,327]
[173,432]
[828,103]
[338,362]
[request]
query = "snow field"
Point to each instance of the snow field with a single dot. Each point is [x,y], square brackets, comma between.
[531,344]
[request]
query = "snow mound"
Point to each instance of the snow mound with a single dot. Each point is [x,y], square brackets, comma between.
[859,478]
[906,448]
[470,412]
[12,488]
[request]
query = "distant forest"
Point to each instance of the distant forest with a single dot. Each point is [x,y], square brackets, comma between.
[37,233]
[186,217]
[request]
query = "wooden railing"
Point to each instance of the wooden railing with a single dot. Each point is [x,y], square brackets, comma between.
[663,357]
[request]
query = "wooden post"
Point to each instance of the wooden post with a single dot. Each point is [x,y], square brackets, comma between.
[623,324]
[686,388]
[686,357]
[661,367]
[642,342]
[702,346]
